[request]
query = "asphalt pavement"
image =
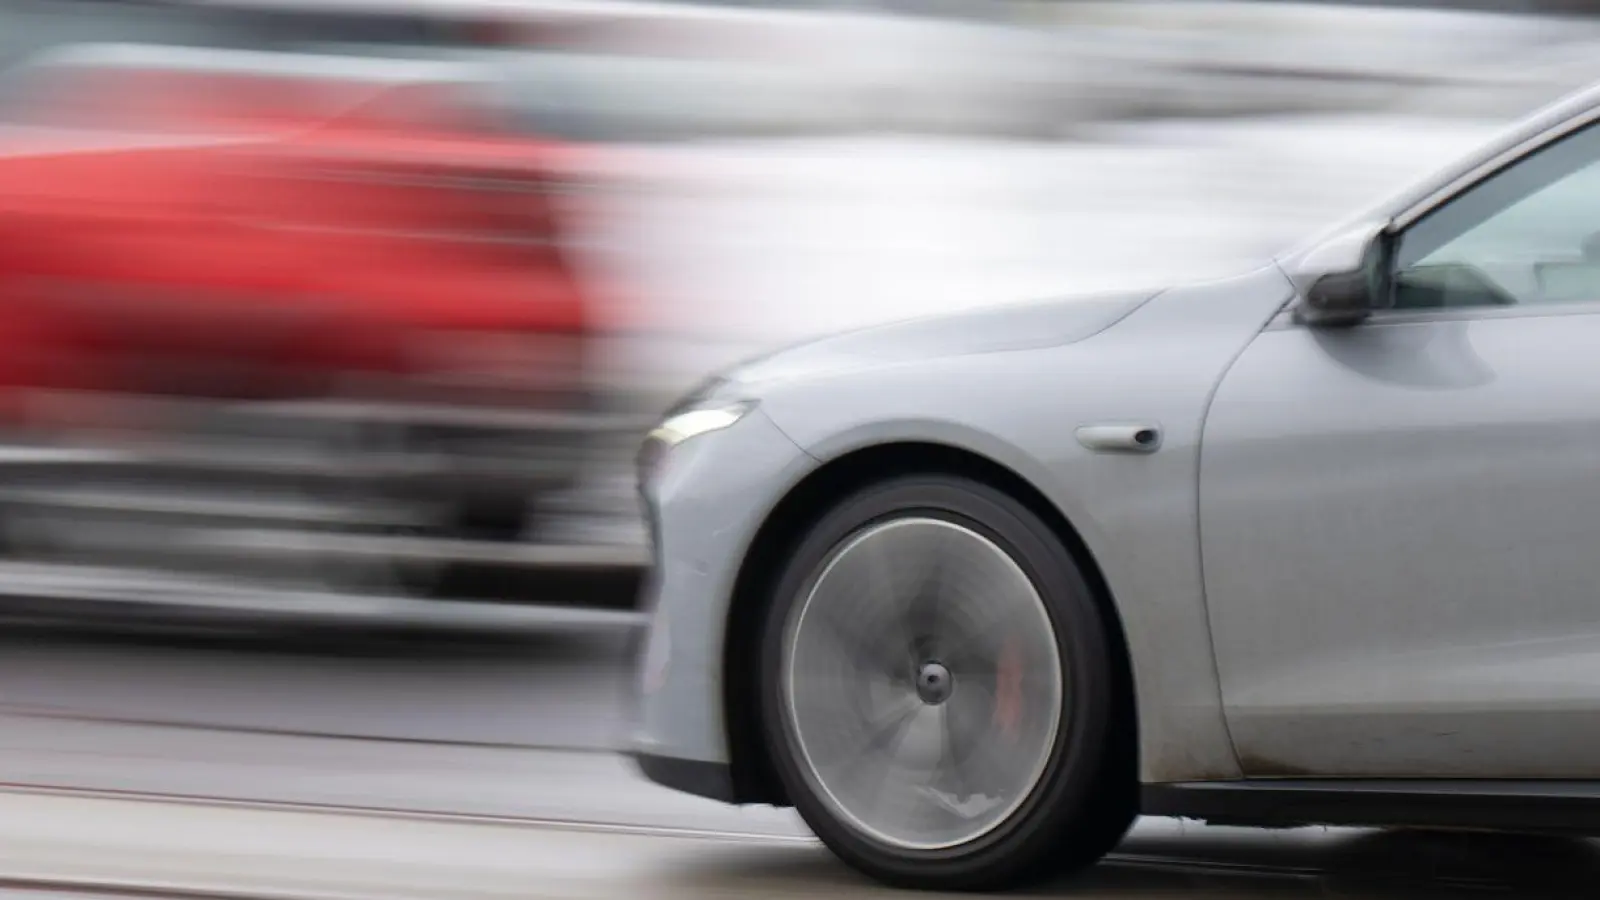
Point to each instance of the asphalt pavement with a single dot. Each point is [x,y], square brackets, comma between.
[558,692]
[239,852]
[351,767]
[235,851]
[491,726]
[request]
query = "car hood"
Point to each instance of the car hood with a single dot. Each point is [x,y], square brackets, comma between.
[1018,326]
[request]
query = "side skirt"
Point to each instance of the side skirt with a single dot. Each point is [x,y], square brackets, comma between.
[1564,807]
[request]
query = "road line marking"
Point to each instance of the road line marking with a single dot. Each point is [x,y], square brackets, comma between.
[69,715]
[1133,860]
[150,890]
[396,814]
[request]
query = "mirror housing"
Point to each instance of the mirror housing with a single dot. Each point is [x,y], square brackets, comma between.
[1339,280]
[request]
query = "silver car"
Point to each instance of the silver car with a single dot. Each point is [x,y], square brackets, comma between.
[1316,544]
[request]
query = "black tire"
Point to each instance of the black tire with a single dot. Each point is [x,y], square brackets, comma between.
[1085,800]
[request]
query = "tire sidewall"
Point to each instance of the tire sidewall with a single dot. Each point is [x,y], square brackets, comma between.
[1065,790]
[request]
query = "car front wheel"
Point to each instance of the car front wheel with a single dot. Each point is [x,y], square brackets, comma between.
[937,691]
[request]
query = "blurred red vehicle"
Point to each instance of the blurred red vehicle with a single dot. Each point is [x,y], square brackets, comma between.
[365,254]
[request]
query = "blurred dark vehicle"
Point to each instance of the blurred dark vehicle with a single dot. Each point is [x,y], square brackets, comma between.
[257,299]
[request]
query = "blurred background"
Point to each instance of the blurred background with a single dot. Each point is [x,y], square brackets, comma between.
[354,311]
[328,329]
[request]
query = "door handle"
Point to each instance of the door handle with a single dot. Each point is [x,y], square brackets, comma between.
[1121,437]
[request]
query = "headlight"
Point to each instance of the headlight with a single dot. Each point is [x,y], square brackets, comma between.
[684,424]
[695,422]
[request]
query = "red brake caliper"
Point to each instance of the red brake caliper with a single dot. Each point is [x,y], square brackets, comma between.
[1008,689]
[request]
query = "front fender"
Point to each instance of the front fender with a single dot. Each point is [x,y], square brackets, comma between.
[1137,513]
[968,438]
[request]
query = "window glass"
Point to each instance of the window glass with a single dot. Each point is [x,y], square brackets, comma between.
[1530,234]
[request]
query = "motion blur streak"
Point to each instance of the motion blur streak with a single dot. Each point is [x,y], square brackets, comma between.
[338,323]
[340,283]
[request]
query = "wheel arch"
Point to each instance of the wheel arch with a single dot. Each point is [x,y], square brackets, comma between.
[753,775]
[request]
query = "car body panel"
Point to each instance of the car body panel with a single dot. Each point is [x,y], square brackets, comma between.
[1015,326]
[1398,525]
[706,501]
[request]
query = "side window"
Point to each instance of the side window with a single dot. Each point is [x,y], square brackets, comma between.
[1529,234]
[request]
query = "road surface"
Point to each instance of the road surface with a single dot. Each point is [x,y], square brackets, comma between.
[492,765]
[255,852]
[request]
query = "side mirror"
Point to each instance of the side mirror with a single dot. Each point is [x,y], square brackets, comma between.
[1339,280]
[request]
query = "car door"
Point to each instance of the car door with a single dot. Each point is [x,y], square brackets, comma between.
[1400,519]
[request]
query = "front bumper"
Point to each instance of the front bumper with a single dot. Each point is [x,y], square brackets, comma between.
[711,780]
[705,502]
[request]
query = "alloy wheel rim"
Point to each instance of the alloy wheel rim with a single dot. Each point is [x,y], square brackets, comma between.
[922,684]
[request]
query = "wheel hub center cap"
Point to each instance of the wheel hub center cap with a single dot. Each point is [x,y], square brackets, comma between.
[934,683]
